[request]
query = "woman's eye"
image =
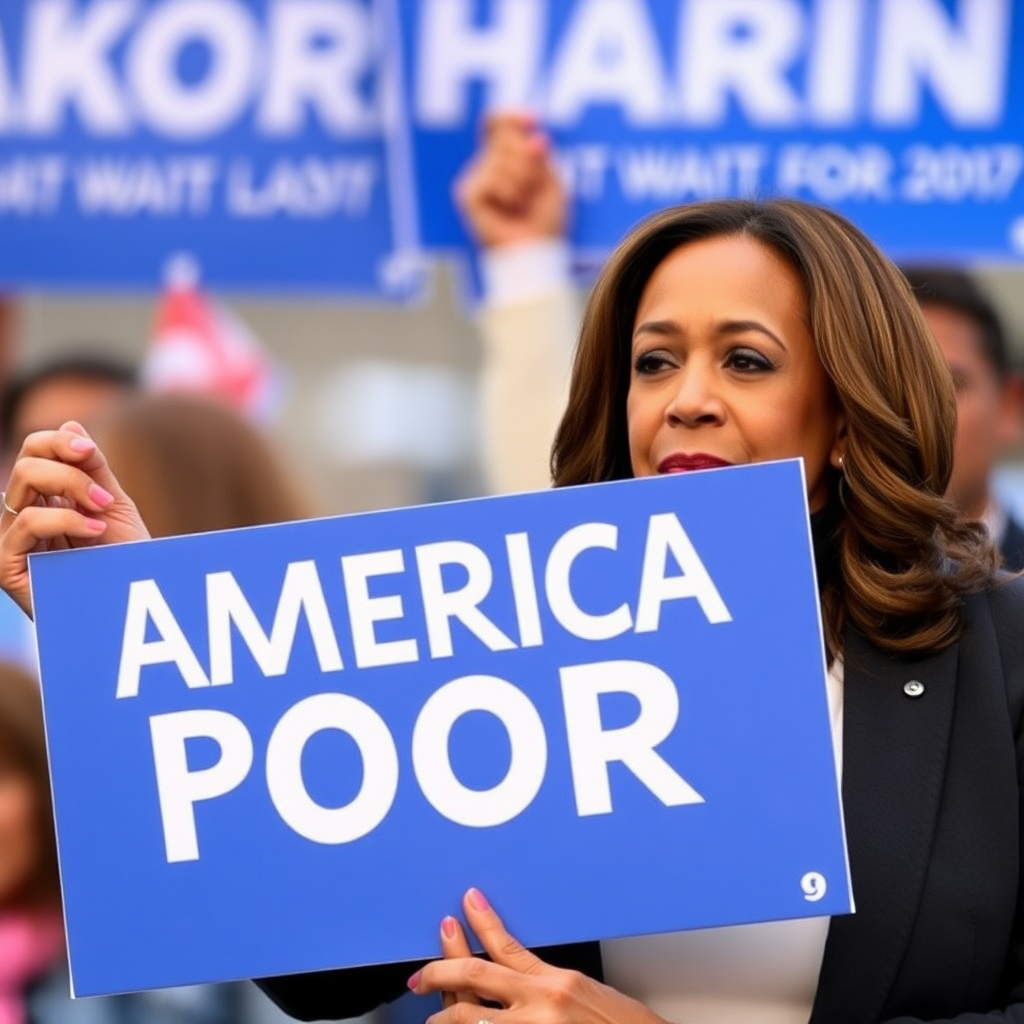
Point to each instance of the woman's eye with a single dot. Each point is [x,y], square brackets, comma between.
[650,362]
[748,361]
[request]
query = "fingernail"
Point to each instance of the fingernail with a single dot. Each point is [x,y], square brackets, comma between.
[476,898]
[448,927]
[414,980]
[81,444]
[96,524]
[99,495]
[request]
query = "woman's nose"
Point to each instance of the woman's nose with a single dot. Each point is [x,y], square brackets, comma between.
[696,400]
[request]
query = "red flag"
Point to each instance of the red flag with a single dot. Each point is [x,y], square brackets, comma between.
[200,346]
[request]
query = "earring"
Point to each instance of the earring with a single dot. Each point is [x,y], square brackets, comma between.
[841,470]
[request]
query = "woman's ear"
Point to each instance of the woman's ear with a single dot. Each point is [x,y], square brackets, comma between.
[835,457]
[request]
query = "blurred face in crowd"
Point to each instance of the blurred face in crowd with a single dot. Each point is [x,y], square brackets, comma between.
[19,851]
[988,413]
[724,368]
[53,401]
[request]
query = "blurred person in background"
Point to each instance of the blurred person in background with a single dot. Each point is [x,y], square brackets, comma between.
[34,981]
[988,395]
[516,209]
[194,465]
[837,366]
[74,385]
[514,204]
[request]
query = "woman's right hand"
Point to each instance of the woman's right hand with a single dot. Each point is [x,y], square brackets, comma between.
[65,496]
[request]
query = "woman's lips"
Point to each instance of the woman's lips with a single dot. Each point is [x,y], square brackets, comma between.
[680,463]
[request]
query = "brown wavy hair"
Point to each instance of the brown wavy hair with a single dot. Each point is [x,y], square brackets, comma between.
[191,464]
[900,556]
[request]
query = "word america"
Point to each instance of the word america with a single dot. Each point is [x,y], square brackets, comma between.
[591,746]
[302,593]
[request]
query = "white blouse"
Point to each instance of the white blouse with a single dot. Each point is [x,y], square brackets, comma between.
[746,974]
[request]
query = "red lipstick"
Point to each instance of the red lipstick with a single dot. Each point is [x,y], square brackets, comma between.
[683,463]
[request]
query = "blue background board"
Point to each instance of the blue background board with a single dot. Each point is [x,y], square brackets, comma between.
[752,738]
[920,143]
[313,203]
[902,114]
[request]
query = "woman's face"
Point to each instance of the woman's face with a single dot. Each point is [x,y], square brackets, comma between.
[19,847]
[724,369]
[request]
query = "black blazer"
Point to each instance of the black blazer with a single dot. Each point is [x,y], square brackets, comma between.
[1011,546]
[932,801]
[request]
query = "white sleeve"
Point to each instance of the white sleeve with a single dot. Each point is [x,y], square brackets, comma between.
[529,324]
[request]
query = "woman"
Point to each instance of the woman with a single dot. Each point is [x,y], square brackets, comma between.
[31,932]
[216,472]
[727,333]
[193,464]
[34,981]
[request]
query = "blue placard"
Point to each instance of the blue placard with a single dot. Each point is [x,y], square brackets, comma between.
[264,138]
[604,705]
[902,114]
[312,146]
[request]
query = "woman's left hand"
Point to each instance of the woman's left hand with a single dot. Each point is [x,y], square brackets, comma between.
[529,990]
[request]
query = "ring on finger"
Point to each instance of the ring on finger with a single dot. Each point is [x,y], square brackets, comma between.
[7,508]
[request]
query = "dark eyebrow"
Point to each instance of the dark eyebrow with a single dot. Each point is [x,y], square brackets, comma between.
[662,328]
[741,326]
[670,329]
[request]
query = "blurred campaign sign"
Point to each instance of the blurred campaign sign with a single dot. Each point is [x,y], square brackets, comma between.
[257,136]
[294,747]
[902,114]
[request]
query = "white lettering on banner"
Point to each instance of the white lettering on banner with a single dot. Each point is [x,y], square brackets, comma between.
[672,174]
[718,60]
[563,604]
[833,71]
[592,748]
[508,799]
[32,185]
[180,789]
[319,52]
[610,55]
[66,62]
[311,187]
[208,106]
[440,606]
[332,825]
[965,67]
[953,173]
[453,51]
[161,188]
[146,603]
[826,172]
[365,610]
[666,536]
[302,593]
[583,169]
[834,173]
[524,589]
[745,53]
[312,57]
[115,63]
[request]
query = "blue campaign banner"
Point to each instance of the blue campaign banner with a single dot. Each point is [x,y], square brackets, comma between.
[260,137]
[295,747]
[905,115]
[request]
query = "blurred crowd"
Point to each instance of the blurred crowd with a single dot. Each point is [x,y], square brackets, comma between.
[191,451]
